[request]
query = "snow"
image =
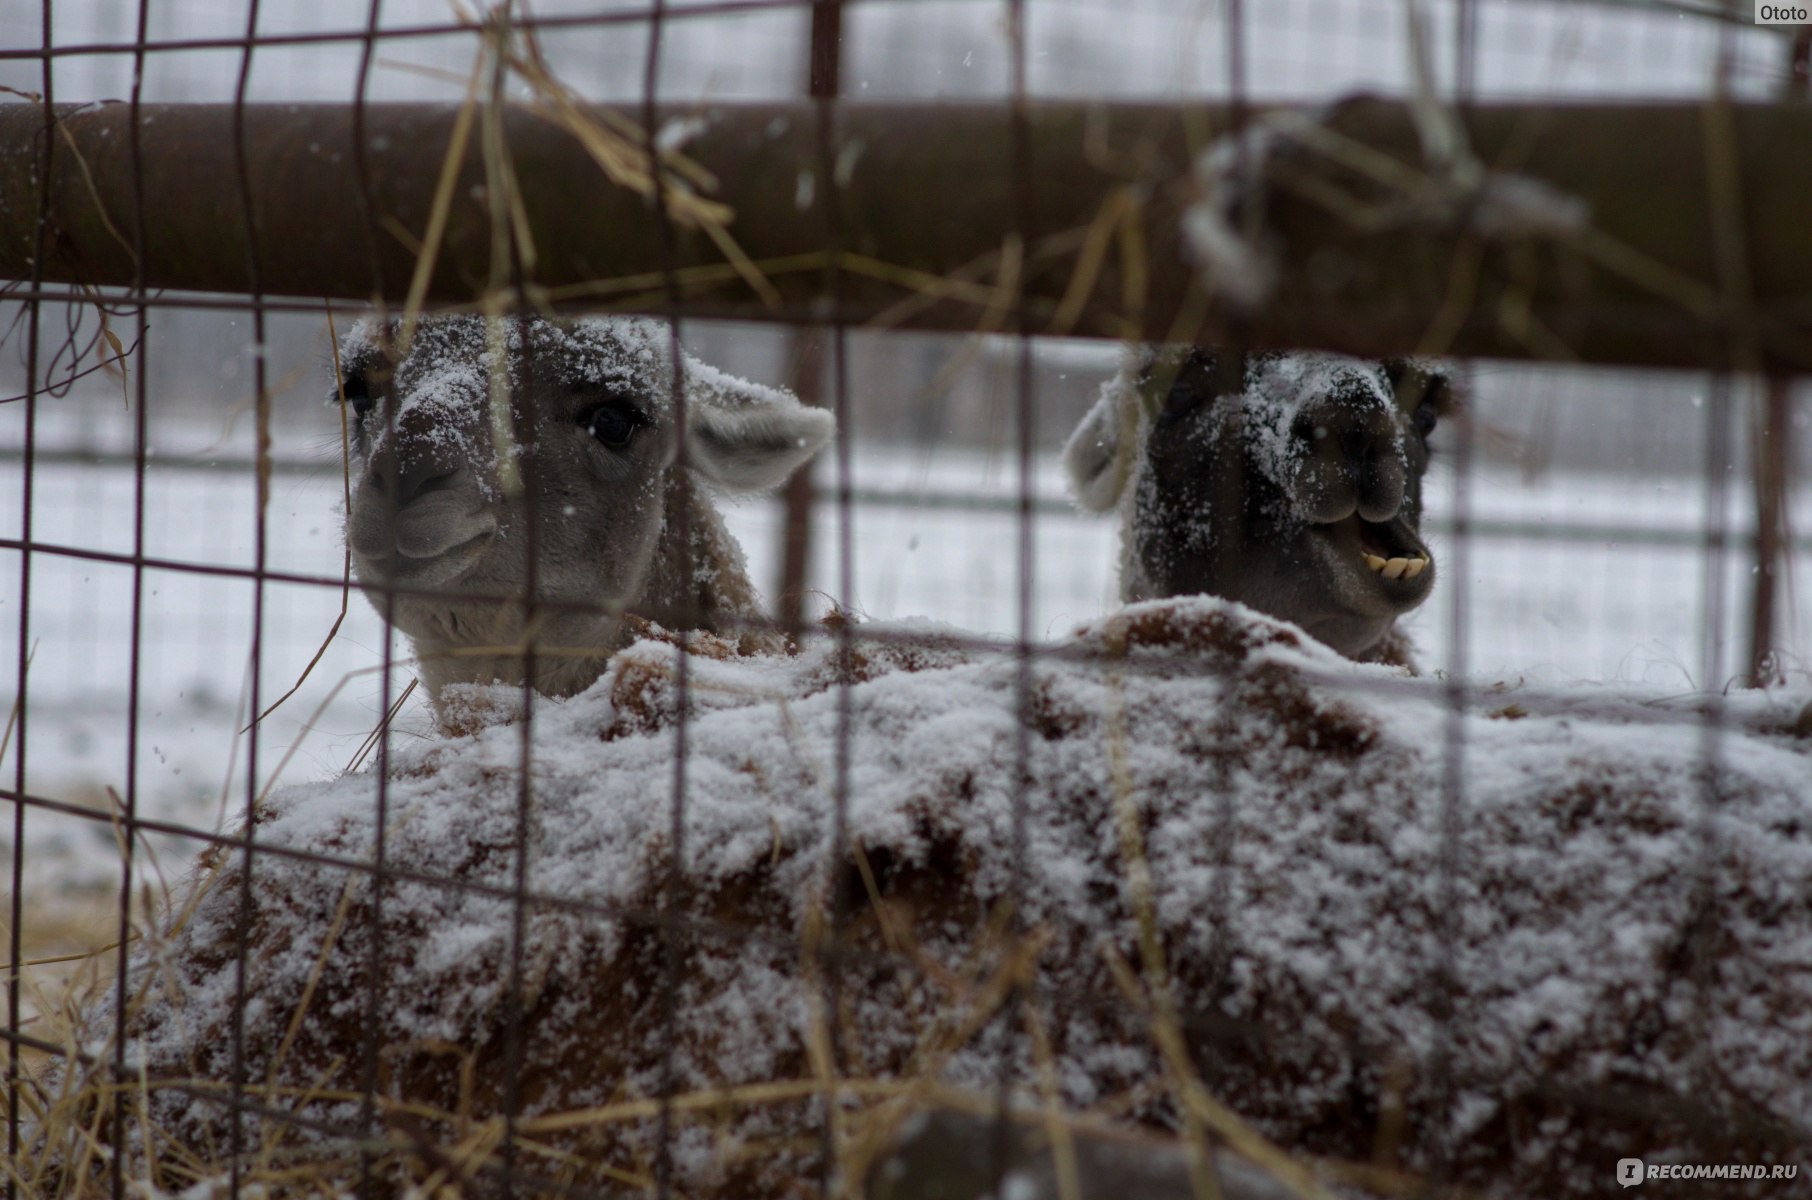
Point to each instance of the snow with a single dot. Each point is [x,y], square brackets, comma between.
[1588,845]
[1510,206]
[1280,386]
[675,132]
[1238,267]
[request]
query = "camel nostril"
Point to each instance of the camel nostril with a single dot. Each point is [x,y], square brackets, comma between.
[1381,487]
[417,484]
[397,486]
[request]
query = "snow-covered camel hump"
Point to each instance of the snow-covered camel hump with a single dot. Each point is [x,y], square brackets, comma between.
[1291,483]
[439,522]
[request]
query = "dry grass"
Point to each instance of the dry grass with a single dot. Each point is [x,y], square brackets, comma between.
[67,945]
[422,1147]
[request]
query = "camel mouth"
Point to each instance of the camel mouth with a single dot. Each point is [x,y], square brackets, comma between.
[1390,553]
[1391,549]
[426,571]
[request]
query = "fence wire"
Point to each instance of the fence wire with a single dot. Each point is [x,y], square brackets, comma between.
[953,953]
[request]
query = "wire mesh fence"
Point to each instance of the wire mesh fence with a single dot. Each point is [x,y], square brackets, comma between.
[1170,756]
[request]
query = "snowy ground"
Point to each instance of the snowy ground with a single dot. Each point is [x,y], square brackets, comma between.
[1563,899]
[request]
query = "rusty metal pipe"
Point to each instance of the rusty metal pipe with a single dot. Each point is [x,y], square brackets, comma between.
[925,197]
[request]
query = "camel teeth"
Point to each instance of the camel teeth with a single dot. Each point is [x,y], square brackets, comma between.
[1395,568]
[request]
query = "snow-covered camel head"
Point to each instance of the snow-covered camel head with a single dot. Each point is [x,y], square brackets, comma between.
[517,488]
[1289,482]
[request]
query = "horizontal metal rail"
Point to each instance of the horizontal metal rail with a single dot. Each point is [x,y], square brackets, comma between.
[953,500]
[1695,252]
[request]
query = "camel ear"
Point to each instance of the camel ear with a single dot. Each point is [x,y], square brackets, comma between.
[744,436]
[1099,455]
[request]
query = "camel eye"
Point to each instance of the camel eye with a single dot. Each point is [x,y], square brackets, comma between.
[355,390]
[1424,418]
[1184,397]
[614,423]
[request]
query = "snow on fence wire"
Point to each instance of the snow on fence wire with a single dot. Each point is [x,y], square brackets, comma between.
[1080,899]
